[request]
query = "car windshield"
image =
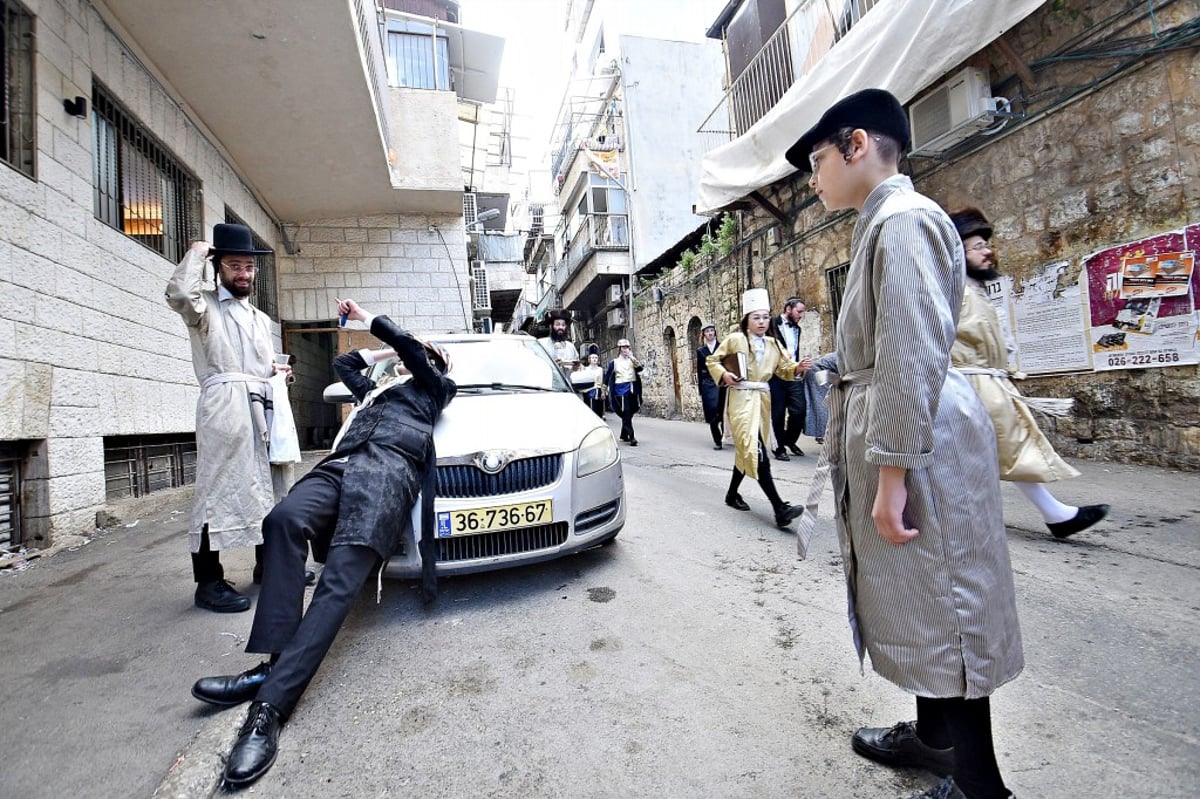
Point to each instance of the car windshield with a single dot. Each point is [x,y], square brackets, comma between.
[501,362]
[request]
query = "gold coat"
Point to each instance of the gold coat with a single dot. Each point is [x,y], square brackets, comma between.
[750,411]
[1026,456]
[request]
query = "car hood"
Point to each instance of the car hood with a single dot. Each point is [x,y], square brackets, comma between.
[522,421]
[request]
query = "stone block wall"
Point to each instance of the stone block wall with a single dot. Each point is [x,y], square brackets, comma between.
[1117,162]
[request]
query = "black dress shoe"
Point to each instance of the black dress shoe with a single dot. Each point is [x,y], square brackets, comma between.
[787,514]
[781,454]
[624,436]
[900,746]
[1084,518]
[792,448]
[633,442]
[310,576]
[946,789]
[254,751]
[736,502]
[717,445]
[231,690]
[219,597]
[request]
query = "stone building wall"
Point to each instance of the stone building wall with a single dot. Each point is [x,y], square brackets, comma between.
[1119,161]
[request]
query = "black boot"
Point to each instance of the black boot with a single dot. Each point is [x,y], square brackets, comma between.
[254,751]
[220,597]
[231,690]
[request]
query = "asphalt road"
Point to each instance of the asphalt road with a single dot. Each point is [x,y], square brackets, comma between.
[696,657]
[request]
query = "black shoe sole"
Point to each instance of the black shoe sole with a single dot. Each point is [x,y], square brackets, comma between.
[220,609]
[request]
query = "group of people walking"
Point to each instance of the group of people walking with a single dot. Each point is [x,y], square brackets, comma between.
[923,423]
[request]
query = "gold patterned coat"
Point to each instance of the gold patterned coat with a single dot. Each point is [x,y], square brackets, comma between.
[1025,454]
[749,410]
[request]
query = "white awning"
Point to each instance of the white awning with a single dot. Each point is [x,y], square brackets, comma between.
[900,45]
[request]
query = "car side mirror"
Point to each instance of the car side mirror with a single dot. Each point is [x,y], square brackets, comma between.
[337,393]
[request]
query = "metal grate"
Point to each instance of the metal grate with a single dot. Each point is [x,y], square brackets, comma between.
[17,116]
[470,209]
[265,291]
[835,279]
[138,465]
[480,297]
[11,534]
[465,480]
[502,542]
[139,188]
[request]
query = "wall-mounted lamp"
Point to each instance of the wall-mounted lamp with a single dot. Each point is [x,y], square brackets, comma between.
[76,107]
[484,216]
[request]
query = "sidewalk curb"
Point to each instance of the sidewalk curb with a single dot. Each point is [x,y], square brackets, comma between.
[196,773]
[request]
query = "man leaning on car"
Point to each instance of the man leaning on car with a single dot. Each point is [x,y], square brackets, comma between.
[347,506]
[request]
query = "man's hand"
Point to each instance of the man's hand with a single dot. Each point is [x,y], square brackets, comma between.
[728,379]
[351,310]
[888,511]
[201,247]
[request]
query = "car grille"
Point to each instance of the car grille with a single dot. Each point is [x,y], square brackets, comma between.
[596,517]
[502,542]
[466,480]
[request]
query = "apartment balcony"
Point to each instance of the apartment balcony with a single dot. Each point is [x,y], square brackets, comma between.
[597,251]
[792,51]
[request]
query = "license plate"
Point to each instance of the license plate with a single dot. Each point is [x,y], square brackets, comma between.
[488,520]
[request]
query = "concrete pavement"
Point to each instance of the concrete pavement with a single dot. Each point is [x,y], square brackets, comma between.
[101,643]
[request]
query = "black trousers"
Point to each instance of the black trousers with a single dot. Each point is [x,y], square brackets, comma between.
[788,408]
[765,481]
[280,627]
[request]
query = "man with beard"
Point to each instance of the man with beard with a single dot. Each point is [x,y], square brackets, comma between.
[557,344]
[982,354]
[233,357]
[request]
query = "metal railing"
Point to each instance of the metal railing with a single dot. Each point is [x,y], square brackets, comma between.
[792,51]
[598,232]
[368,25]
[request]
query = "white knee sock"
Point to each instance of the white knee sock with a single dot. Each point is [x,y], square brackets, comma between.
[1052,510]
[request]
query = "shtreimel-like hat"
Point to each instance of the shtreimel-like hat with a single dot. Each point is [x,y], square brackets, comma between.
[623,343]
[870,109]
[228,239]
[559,313]
[971,222]
[755,300]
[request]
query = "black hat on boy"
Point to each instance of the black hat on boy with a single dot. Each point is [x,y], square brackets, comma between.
[870,109]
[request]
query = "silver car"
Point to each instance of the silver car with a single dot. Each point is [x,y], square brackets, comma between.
[526,472]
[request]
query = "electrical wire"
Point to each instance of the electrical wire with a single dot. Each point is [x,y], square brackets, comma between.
[467,325]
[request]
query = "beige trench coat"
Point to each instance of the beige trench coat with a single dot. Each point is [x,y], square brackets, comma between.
[937,615]
[235,488]
[750,411]
[1025,453]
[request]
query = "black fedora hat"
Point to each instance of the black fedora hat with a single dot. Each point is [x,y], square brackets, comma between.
[231,239]
[870,109]
[971,222]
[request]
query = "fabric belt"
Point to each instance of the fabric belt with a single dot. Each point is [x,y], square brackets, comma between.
[262,404]
[1047,406]
[831,453]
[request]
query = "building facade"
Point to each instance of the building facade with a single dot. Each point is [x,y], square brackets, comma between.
[1093,163]
[127,136]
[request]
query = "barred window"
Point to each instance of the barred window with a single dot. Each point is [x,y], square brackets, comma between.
[835,279]
[17,118]
[418,55]
[138,465]
[139,187]
[11,532]
[266,294]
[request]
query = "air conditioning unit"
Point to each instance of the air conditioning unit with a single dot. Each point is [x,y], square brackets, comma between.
[616,317]
[470,209]
[481,300]
[615,295]
[956,109]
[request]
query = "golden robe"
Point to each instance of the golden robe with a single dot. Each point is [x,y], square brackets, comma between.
[750,411]
[1025,454]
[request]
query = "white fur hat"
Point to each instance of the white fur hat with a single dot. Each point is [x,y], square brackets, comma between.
[755,300]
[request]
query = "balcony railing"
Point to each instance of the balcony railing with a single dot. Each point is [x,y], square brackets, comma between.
[367,24]
[598,232]
[792,51]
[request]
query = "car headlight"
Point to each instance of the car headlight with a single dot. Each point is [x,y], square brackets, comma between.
[598,451]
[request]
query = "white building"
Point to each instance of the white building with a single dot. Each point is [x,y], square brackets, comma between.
[330,129]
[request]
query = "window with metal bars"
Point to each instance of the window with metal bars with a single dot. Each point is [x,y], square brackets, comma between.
[139,187]
[11,535]
[138,465]
[418,55]
[835,279]
[266,292]
[17,115]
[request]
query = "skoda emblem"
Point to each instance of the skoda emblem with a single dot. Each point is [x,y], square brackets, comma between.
[491,462]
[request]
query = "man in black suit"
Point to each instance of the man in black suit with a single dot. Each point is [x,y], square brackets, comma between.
[351,506]
[712,396]
[787,396]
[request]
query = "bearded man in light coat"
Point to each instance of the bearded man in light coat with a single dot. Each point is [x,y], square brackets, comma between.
[233,357]
[913,457]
